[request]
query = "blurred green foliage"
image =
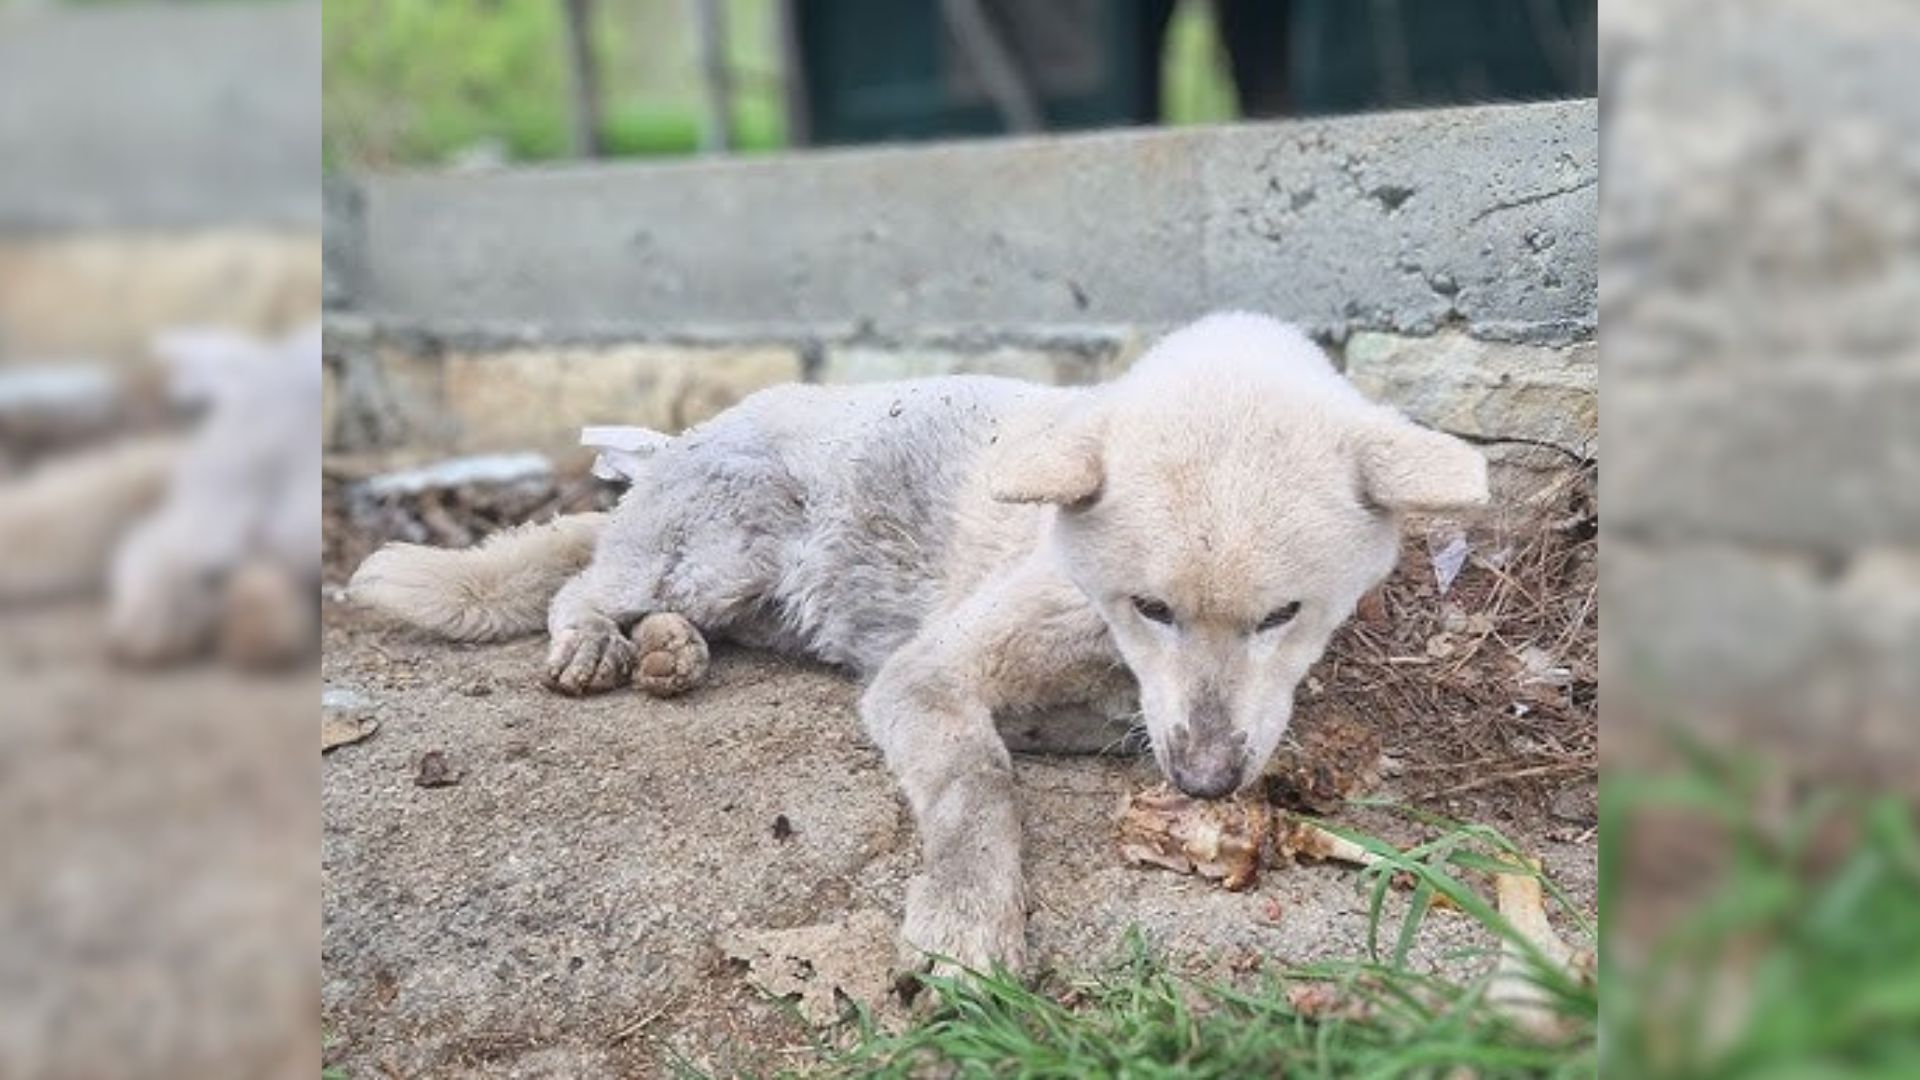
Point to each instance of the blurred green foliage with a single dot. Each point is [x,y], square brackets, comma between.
[1195,81]
[424,82]
[1796,953]
[419,82]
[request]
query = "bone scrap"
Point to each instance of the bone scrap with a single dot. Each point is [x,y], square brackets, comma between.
[1226,841]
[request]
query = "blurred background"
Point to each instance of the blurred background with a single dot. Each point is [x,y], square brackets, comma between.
[416,83]
[159,424]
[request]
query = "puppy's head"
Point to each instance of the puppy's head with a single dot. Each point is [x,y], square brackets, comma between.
[1224,506]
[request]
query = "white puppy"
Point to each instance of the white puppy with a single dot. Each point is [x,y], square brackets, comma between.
[977,547]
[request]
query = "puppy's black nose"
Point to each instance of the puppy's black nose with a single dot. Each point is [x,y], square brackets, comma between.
[1211,783]
[1209,767]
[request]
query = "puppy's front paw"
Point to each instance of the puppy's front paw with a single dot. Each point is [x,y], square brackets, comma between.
[955,925]
[672,654]
[588,659]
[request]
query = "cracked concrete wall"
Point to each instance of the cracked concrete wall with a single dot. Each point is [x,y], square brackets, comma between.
[1761,554]
[1479,218]
[1450,254]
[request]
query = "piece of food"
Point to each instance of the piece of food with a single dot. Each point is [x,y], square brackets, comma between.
[1227,840]
[1295,839]
[1219,840]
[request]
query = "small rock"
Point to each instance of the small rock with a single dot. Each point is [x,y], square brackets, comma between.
[342,700]
[436,771]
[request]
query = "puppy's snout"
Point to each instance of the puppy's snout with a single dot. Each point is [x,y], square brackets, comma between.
[1207,767]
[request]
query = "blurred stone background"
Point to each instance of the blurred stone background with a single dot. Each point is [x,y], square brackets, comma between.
[159,890]
[1760,235]
[147,188]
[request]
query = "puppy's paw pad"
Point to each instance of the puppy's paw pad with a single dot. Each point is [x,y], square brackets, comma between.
[672,654]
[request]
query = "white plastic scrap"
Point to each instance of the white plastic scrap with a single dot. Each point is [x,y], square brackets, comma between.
[457,472]
[623,450]
[1447,550]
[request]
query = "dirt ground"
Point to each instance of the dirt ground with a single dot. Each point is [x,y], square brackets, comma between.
[610,883]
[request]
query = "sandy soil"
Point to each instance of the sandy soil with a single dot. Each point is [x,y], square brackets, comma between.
[574,904]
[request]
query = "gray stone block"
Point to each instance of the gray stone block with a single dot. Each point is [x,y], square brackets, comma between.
[1399,222]
[875,363]
[1485,390]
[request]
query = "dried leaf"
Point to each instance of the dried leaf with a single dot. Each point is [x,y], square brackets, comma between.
[341,730]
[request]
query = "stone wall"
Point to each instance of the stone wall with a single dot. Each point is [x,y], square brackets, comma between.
[1447,257]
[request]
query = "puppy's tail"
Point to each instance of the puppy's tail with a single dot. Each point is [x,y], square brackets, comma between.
[497,589]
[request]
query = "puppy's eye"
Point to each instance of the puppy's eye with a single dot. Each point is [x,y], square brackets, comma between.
[1279,617]
[1153,610]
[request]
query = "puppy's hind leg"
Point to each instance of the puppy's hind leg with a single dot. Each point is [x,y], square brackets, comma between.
[589,653]
[672,654]
[666,654]
[689,552]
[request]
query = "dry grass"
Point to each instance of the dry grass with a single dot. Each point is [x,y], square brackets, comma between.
[354,524]
[1490,688]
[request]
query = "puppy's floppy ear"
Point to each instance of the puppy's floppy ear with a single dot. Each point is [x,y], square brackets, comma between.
[1404,466]
[1048,452]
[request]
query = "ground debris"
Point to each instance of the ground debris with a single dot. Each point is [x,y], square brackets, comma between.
[825,967]
[1484,682]
[437,770]
[337,731]
[1331,756]
[451,503]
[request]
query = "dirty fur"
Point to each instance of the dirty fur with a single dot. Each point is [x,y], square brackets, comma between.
[1188,537]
